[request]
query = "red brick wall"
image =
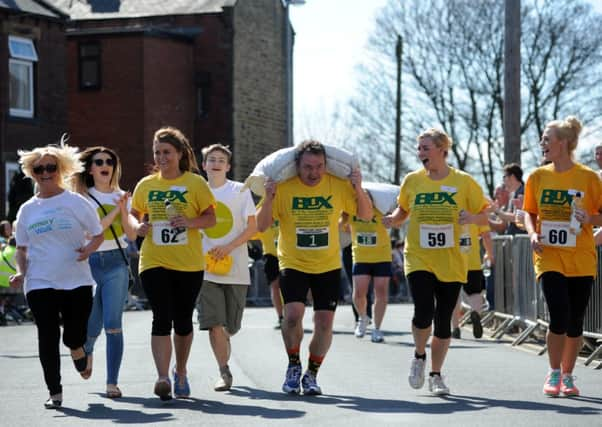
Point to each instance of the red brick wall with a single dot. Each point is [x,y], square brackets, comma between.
[50,94]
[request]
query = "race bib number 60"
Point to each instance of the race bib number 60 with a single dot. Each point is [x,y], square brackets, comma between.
[166,235]
[436,236]
[556,233]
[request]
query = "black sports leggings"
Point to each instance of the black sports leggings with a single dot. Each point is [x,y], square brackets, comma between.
[49,306]
[172,295]
[433,300]
[567,299]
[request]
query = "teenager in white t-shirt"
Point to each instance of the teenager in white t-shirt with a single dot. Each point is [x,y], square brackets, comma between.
[223,296]
[99,182]
[51,258]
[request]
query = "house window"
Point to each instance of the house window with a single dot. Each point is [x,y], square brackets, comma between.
[20,68]
[89,65]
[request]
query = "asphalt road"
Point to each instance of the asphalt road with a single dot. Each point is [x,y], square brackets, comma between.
[364,384]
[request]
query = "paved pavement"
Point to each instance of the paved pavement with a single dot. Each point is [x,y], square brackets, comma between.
[365,384]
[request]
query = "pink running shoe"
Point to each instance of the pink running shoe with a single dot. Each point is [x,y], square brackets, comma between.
[552,385]
[567,386]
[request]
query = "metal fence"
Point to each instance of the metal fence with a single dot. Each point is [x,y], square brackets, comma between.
[519,299]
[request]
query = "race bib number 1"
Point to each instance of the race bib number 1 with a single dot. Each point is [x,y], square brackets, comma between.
[436,236]
[556,233]
[166,235]
[312,238]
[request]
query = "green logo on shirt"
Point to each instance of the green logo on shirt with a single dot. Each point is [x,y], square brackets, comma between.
[312,203]
[556,197]
[439,198]
[171,195]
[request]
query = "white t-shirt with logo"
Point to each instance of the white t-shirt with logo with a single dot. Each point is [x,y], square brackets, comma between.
[53,229]
[233,209]
[108,201]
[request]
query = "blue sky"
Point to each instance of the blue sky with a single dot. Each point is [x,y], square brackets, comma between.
[331,36]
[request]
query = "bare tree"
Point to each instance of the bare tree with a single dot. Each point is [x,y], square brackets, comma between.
[453,78]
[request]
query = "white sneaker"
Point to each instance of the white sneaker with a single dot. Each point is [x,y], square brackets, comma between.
[377,336]
[360,329]
[416,377]
[437,386]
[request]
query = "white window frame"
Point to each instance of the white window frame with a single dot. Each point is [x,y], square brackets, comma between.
[25,59]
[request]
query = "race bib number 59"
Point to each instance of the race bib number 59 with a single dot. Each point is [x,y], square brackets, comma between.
[438,236]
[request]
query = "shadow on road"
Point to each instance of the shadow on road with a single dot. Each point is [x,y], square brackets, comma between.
[99,411]
[440,405]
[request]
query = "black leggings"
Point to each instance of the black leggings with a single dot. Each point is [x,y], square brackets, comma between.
[567,299]
[172,296]
[49,306]
[433,300]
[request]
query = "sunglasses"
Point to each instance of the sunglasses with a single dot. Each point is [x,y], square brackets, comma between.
[100,162]
[50,168]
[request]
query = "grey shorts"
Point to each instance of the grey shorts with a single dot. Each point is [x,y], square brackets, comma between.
[220,304]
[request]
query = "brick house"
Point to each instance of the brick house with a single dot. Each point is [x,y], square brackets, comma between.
[33,92]
[221,71]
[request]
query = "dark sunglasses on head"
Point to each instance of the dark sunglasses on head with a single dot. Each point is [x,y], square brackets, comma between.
[50,168]
[100,162]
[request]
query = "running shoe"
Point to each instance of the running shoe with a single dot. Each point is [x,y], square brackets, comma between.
[224,382]
[181,388]
[437,386]
[477,327]
[567,385]
[360,329]
[377,335]
[416,377]
[552,385]
[310,386]
[292,382]
[456,333]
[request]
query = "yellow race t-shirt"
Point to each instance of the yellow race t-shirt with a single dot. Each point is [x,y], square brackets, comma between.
[474,254]
[308,240]
[164,245]
[548,194]
[370,241]
[269,239]
[433,238]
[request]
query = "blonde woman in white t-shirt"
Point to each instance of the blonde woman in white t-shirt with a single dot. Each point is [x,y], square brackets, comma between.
[51,258]
[99,182]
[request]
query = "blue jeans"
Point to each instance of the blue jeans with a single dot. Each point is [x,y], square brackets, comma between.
[111,276]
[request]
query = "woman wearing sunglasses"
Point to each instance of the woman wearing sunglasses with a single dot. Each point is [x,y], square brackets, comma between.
[99,182]
[51,258]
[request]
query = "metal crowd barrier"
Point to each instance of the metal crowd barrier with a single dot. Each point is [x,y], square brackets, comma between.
[519,300]
[259,290]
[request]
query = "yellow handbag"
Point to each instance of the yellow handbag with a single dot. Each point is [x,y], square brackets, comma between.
[218,266]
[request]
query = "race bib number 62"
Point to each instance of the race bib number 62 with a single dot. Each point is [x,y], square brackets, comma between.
[166,235]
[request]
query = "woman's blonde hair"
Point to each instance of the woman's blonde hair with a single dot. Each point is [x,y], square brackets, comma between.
[67,160]
[439,138]
[568,129]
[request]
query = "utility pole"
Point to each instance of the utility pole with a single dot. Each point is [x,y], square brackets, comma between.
[398,54]
[512,29]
